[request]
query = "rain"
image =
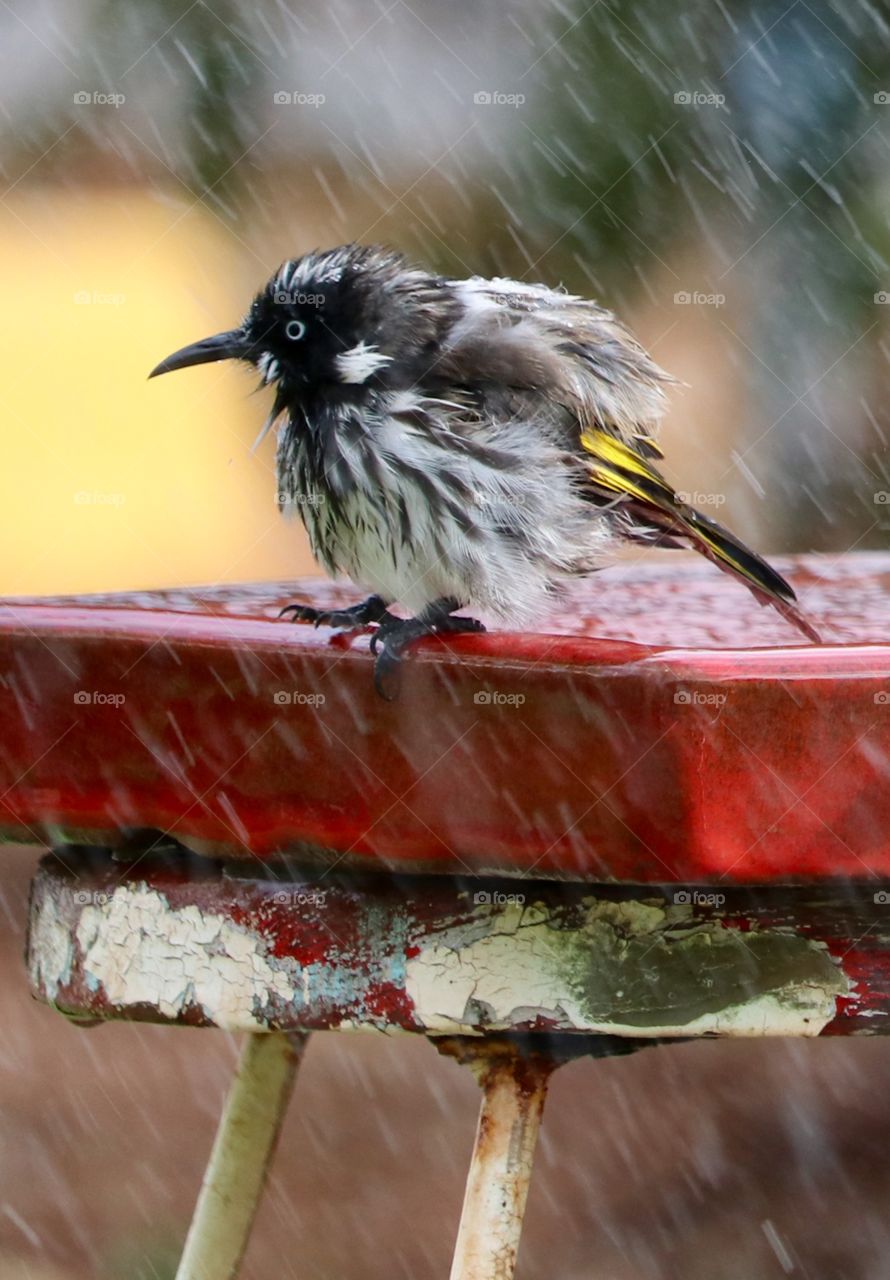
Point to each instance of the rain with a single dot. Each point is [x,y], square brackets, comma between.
[716,175]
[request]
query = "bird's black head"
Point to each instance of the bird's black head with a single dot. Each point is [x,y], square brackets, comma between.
[343,318]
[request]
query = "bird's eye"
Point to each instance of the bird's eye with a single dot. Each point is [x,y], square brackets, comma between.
[295,330]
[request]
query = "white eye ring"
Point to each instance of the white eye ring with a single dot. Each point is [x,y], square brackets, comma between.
[294,329]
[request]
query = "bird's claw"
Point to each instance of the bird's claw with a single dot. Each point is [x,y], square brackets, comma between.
[388,643]
[392,636]
[391,639]
[351,619]
[305,613]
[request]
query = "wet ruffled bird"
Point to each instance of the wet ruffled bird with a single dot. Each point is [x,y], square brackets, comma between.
[455,444]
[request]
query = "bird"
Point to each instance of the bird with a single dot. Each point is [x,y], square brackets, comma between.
[458,444]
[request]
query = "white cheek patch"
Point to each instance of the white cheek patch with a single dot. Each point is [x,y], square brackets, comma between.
[360,362]
[268,367]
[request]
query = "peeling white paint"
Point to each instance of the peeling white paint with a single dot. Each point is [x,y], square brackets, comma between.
[51,950]
[606,967]
[140,950]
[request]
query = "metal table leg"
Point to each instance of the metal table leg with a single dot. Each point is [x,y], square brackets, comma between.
[514,1086]
[242,1151]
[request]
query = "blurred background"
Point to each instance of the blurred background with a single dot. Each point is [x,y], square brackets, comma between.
[719,174]
[719,177]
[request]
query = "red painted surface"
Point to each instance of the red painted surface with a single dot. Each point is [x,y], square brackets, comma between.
[661,727]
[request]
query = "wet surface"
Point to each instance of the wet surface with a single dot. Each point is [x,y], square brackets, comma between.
[661,599]
[596,752]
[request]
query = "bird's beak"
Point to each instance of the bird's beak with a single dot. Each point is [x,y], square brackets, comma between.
[222,346]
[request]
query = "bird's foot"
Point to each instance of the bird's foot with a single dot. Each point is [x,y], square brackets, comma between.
[351,619]
[395,635]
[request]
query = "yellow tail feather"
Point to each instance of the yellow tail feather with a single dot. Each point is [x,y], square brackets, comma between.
[617,469]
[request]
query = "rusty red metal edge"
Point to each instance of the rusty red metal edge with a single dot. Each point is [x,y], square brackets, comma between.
[359,933]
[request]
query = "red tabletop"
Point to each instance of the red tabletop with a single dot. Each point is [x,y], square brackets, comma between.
[658,726]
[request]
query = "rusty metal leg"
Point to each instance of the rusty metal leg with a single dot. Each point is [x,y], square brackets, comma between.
[514,1086]
[242,1151]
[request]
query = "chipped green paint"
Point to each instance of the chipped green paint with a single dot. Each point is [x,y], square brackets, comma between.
[647,966]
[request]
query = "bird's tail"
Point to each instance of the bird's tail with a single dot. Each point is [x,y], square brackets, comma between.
[618,473]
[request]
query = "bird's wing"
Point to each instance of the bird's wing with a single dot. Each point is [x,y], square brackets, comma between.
[571,365]
[565,349]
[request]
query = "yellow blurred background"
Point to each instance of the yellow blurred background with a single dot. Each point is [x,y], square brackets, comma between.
[112,481]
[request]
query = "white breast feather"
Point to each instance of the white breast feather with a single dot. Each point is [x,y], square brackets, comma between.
[505,576]
[360,362]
